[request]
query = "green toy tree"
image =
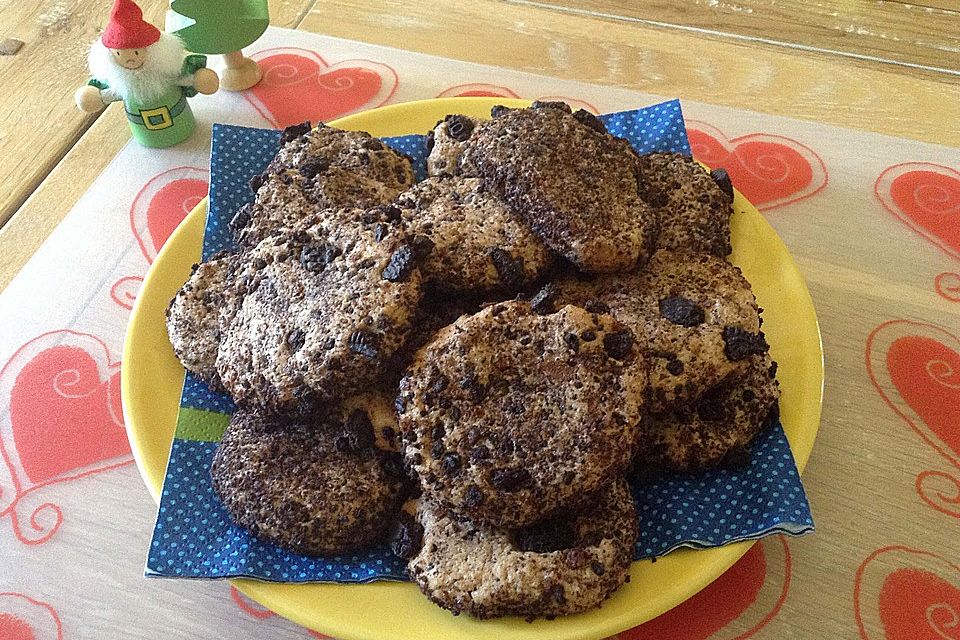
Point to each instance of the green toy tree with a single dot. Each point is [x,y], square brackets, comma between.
[222,27]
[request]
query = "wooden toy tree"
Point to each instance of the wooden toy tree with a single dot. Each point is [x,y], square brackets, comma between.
[222,27]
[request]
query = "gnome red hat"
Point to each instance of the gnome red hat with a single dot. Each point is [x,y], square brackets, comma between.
[127,28]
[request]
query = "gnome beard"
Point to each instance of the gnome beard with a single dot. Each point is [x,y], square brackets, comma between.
[161,68]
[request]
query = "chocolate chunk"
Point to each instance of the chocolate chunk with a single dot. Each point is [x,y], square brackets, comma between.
[509,269]
[437,450]
[380,231]
[557,593]
[554,534]
[407,536]
[722,178]
[357,433]
[675,367]
[597,568]
[450,462]
[437,432]
[315,257]
[312,168]
[480,452]
[596,306]
[551,104]
[575,558]
[542,303]
[257,181]
[748,395]
[401,265]
[294,131]
[364,343]
[391,213]
[295,339]
[473,497]
[681,311]
[586,118]
[499,110]
[509,480]
[588,336]
[619,344]
[740,344]
[459,127]
[429,142]
[572,341]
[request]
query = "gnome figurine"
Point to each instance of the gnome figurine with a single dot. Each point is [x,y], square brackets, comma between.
[150,72]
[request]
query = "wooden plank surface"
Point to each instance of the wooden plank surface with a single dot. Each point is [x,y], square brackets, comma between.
[748,75]
[39,122]
[908,36]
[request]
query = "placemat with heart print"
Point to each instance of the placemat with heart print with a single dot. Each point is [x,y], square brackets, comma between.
[194,536]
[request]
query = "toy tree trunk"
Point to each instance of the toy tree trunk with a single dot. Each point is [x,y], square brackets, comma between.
[222,27]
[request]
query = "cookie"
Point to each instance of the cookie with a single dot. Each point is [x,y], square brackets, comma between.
[324,308]
[693,208]
[508,416]
[285,199]
[720,427]
[696,312]
[197,314]
[314,486]
[558,567]
[445,143]
[576,185]
[479,244]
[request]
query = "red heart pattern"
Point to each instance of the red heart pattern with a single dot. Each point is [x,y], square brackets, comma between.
[24,618]
[947,285]
[915,367]
[162,204]
[770,171]
[742,593]
[918,599]
[124,291]
[64,405]
[475,89]
[926,197]
[939,490]
[299,85]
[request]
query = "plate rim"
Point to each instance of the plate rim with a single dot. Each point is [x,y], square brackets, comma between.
[273,595]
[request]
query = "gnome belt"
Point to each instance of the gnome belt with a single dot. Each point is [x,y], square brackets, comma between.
[159,117]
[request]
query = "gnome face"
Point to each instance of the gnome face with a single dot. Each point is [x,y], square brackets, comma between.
[130,58]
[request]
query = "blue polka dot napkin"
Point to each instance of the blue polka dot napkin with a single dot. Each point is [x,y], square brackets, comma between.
[195,538]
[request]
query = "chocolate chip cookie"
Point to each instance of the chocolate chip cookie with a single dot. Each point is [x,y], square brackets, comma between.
[694,207]
[196,315]
[508,415]
[720,427]
[324,307]
[479,244]
[577,186]
[557,567]
[696,312]
[314,486]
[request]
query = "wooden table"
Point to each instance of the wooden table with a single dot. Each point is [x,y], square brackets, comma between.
[888,67]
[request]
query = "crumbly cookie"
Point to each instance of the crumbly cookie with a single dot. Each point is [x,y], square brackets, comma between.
[693,208]
[479,243]
[314,486]
[196,315]
[508,416]
[324,308]
[286,198]
[696,312]
[577,186]
[563,566]
[314,150]
[719,429]
[445,143]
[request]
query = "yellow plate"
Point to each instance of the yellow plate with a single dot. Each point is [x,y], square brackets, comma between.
[152,380]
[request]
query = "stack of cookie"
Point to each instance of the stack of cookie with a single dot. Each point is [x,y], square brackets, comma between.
[477,361]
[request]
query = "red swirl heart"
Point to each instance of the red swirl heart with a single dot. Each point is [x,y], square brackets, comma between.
[769,170]
[918,599]
[915,367]
[926,197]
[162,204]
[947,285]
[24,618]
[481,89]
[742,593]
[64,406]
[299,85]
